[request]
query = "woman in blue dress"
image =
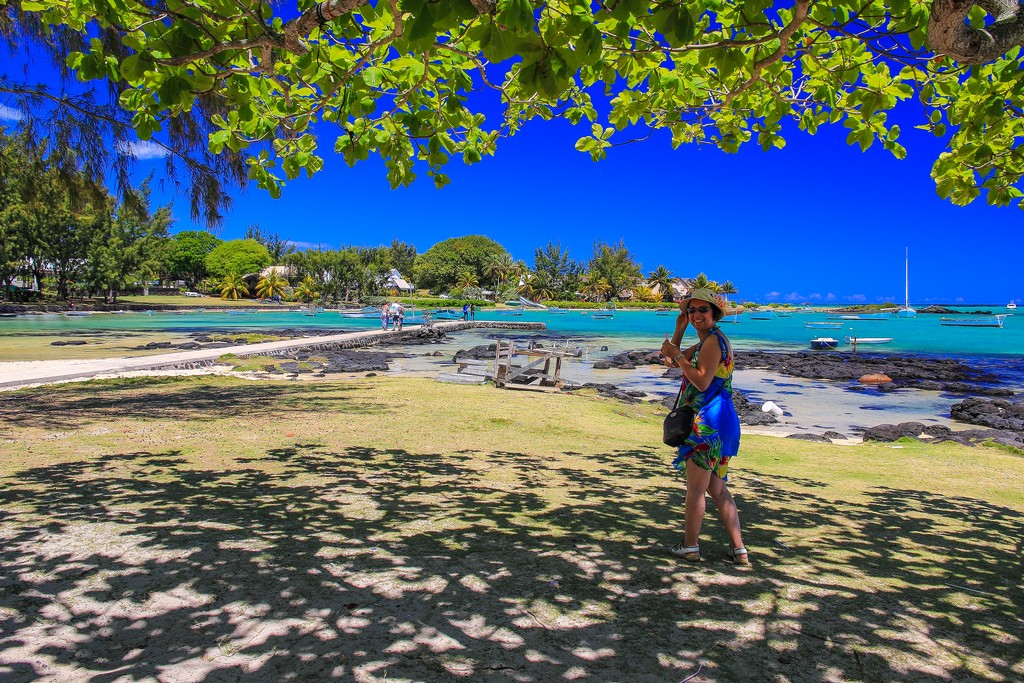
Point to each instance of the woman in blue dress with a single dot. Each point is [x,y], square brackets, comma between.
[707,389]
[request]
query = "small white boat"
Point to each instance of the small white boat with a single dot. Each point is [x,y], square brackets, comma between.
[731,319]
[824,343]
[857,341]
[992,321]
[823,325]
[365,312]
[77,314]
[761,315]
[603,314]
[860,316]
[1011,306]
[117,312]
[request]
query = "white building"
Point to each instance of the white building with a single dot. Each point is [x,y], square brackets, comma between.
[395,280]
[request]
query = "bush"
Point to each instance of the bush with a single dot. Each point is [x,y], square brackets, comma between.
[641,305]
[444,303]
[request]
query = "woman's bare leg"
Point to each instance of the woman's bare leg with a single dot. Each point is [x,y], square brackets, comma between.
[727,511]
[697,481]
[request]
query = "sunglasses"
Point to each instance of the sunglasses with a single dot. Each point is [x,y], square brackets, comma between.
[698,309]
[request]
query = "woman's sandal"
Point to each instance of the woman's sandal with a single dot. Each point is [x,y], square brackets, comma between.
[689,553]
[738,555]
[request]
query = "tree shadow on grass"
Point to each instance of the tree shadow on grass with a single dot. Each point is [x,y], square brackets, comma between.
[60,407]
[363,564]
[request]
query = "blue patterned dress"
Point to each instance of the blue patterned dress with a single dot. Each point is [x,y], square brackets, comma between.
[716,427]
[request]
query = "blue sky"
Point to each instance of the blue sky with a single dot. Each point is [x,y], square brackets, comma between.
[818,221]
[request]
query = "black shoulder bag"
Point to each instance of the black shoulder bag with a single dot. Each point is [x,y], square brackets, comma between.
[678,424]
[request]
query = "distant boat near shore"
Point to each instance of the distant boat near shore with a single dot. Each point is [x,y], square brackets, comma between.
[993,321]
[855,341]
[823,325]
[884,315]
[1011,306]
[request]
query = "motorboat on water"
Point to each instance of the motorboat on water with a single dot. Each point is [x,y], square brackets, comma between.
[823,325]
[824,343]
[1011,306]
[884,315]
[989,321]
[364,312]
[857,341]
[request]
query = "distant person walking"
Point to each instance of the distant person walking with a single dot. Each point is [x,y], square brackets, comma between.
[715,437]
[465,311]
[399,317]
[385,317]
[472,311]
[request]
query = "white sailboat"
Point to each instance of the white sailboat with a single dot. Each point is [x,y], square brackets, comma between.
[906,311]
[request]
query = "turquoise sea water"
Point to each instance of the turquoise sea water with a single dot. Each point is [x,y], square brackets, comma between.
[921,335]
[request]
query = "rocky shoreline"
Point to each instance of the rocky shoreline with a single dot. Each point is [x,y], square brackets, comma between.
[982,406]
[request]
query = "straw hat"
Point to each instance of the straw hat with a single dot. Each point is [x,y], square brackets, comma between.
[712,297]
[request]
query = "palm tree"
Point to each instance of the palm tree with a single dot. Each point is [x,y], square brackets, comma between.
[537,287]
[467,279]
[727,288]
[595,287]
[500,267]
[270,285]
[233,287]
[645,293]
[307,290]
[700,282]
[662,277]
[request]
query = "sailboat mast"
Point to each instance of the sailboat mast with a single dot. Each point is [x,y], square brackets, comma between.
[906,278]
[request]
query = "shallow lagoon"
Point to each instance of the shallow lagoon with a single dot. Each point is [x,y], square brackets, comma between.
[810,405]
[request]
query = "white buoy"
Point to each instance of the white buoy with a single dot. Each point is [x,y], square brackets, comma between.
[770,407]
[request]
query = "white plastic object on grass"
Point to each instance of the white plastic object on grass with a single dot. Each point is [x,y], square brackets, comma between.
[770,407]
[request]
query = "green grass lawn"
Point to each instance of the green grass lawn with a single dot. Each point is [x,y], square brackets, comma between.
[397,529]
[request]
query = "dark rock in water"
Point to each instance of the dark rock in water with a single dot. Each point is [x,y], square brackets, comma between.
[371,374]
[628,360]
[936,309]
[612,391]
[889,433]
[482,352]
[186,346]
[74,342]
[833,435]
[820,438]
[155,345]
[905,371]
[994,413]
[292,366]
[424,335]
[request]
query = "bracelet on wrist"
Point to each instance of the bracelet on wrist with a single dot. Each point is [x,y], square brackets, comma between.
[675,358]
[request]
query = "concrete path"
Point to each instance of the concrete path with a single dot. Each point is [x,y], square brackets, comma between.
[20,373]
